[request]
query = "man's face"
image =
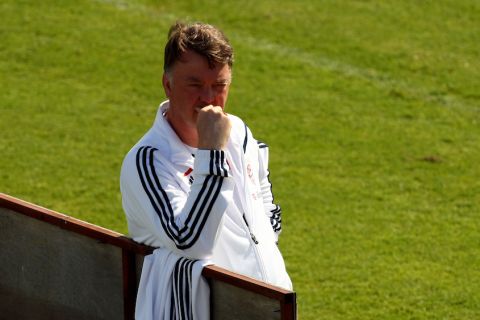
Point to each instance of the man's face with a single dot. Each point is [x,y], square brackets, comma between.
[192,84]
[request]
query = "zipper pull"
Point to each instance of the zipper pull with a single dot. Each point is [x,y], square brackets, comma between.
[253,238]
[250,231]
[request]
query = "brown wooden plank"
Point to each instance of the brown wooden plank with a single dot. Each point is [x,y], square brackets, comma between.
[250,284]
[52,270]
[72,224]
[232,302]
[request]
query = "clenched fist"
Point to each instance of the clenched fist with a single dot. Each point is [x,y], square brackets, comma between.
[213,128]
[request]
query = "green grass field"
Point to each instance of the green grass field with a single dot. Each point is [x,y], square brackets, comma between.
[371,110]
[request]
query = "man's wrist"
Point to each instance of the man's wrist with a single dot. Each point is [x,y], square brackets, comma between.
[211,162]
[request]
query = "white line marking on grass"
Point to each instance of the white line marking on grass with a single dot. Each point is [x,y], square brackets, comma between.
[379,80]
[125,5]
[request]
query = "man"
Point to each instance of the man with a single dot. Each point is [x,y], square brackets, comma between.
[196,185]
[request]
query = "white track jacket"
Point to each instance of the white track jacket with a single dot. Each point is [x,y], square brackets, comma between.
[210,205]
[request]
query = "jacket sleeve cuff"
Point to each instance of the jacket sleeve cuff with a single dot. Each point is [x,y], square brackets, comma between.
[211,162]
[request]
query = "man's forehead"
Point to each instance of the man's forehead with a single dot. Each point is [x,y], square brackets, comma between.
[203,78]
[198,71]
[191,57]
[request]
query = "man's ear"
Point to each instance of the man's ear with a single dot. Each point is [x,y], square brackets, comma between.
[167,85]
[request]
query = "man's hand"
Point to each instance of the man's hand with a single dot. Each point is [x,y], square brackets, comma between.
[213,128]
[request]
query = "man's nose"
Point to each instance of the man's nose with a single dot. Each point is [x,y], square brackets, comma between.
[208,95]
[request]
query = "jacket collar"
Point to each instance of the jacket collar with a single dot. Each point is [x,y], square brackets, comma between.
[169,141]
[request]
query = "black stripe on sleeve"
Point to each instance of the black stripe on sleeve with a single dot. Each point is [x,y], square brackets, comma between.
[222,161]
[212,156]
[276,219]
[182,289]
[188,283]
[183,236]
[217,162]
[262,144]
[246,139]
[176,291]
[209,205]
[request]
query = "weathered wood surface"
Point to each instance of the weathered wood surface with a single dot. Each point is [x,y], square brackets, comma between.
[239,297]
[53,266]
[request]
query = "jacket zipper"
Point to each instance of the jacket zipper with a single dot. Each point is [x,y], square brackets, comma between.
[255,248]
[252,236]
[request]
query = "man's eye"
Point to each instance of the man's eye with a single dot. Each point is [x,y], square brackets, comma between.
[220,85]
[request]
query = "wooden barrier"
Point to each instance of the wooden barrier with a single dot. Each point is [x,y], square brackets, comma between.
[53,266]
